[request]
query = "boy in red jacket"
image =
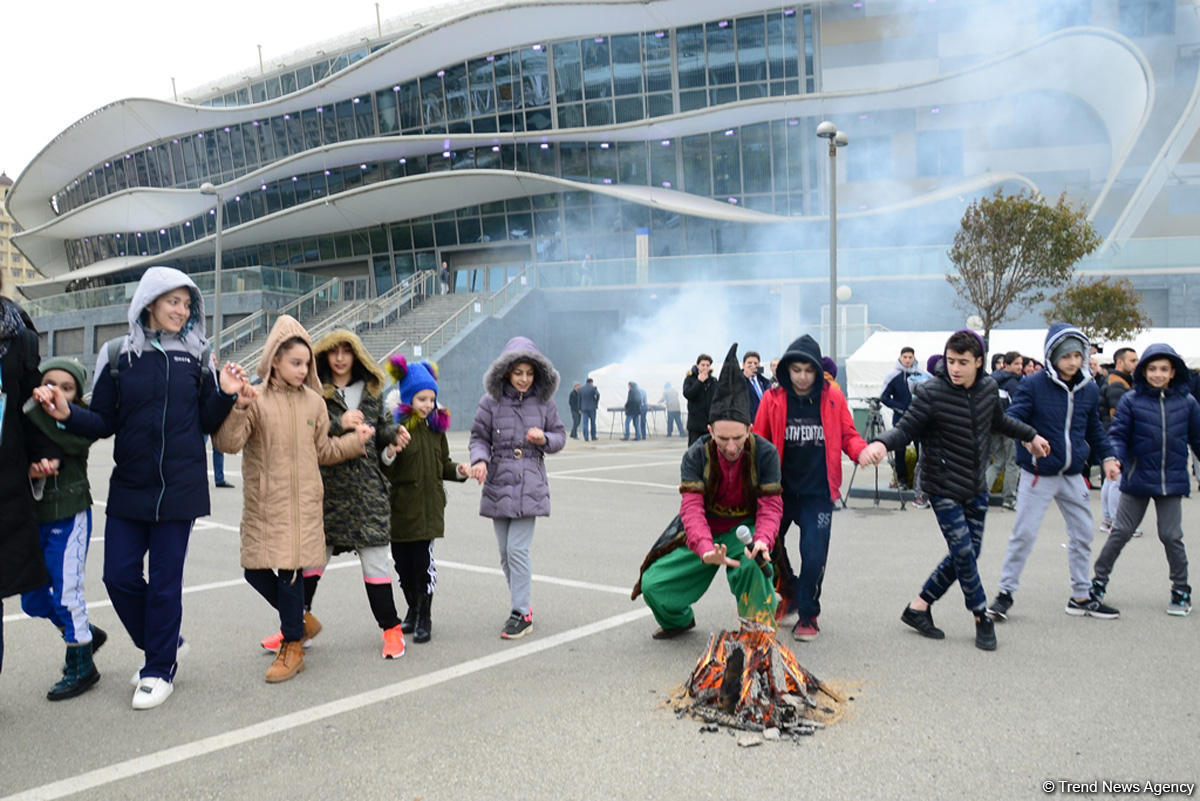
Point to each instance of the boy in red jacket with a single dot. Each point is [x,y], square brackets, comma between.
[809,423]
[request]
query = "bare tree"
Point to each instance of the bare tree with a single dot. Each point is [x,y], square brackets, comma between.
[1012,249]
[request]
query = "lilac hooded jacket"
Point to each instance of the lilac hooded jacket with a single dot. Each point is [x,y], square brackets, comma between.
[516,484]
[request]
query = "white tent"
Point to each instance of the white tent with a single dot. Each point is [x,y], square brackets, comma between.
[869,365]
[613,382]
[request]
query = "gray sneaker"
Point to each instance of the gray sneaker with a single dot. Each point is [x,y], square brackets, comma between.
[1092,607]
[1181,604]
[999,608]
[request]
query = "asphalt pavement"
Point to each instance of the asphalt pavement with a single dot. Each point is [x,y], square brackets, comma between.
[576,709]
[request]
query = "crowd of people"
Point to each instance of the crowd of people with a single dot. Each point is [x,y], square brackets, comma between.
[332,463]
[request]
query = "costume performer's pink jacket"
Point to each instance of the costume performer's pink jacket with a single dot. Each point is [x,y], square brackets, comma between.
[840,434]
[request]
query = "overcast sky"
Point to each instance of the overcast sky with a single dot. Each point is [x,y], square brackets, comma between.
[62,60]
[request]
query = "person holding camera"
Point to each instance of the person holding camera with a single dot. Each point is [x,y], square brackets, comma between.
[698,387]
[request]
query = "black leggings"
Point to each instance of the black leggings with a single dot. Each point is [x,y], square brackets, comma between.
[285,592]
[415,567]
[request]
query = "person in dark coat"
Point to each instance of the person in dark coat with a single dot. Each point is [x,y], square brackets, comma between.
[576,414]
[896,395]
[1151,432]
[633,411]
[756,383]
[22,567]
[698,387]
[589,402]
[955,414]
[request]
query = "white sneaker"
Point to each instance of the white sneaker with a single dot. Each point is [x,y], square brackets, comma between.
[151,692]
[183,649]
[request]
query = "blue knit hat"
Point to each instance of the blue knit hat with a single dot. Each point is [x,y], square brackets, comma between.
[413,377]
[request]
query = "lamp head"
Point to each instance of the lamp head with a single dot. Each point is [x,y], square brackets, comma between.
[826,130]
[840,139]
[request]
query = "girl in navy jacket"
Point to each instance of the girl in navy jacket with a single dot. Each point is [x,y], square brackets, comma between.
[1151,431]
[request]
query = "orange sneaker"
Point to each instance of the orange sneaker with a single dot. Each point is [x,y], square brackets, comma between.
[393,643]
[312,627]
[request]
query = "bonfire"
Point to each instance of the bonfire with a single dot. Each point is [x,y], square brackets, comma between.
[748,680]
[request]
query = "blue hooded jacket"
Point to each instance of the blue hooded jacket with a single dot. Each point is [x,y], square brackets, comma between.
[160,407]
[1067,415]
[1152,428]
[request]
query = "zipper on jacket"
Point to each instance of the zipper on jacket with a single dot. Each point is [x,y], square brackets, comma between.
[162,450]
[295,484]
[1162,465]
[1067,430]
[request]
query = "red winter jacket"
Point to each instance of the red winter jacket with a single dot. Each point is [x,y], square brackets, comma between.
[840,433]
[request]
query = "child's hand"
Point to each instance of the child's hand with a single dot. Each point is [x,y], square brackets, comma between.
[232,378]
[1039,447]
[1112,470]
[402,438]
[535,435]
[352,419]
[464,470]
[365,433]
[872,454]
[53,401]
[44,468]
[478,471]
[246,395]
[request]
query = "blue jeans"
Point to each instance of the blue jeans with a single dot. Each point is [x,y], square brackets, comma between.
[284,591]
[674,420]
[218,465]
[635,419]
[814,516]
[962,526]
[589,423]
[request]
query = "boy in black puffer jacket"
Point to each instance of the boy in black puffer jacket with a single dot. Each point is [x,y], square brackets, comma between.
[955,415]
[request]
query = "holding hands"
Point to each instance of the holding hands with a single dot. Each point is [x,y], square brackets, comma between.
[464,470]
[478,471]
[1112,470]
[352,419]
[365,433]
[233,378]
[402,439]
[44,468]
[1038,446]
[872,454]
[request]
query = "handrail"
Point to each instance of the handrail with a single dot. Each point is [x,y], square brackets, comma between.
[258,320]
[380,310]
[436,339]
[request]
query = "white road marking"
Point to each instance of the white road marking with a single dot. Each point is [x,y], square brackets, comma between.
[616,481]
[613,467]
[276,725]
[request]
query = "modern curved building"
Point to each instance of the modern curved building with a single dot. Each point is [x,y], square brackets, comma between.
[540,132]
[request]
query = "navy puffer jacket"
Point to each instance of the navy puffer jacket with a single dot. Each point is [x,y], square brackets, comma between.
[1066,413]
[1152,429]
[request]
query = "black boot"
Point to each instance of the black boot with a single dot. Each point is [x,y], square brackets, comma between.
[99,637]
[79,676]
[985,632]
[424,630]
[923,623]
[410,617]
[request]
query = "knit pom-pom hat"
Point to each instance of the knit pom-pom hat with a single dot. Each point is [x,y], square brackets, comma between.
[411,379]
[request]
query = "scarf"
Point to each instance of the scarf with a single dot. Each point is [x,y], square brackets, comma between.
[11,324]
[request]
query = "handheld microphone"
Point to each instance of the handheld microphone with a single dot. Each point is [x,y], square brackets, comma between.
[746,538]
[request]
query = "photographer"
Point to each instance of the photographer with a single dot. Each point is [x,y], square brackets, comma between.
[698,388]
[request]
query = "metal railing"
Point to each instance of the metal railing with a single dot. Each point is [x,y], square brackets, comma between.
[258,324]
[436,339]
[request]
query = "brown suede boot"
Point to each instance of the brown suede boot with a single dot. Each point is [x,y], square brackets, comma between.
[288,662]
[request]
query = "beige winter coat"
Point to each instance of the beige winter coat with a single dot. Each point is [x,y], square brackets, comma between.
[284,436]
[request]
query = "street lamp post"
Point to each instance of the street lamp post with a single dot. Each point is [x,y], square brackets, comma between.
[207,188]
[827,130]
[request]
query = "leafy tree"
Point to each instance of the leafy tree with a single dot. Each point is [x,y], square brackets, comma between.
[1103,308]
[1011,249]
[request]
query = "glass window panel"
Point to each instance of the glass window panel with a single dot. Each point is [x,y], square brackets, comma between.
[401,237]
[273,90]
[632,163]
[304,76]
[494,229]
[656,52]
[597,69]
[288,82]
[211,161]
[373,174]
[756,158]
[325,248]
[352,176]
[364,116]
[469,230]
[455,83]
[360,243]
[378,238]
[721,66]
[404,264]
[570,116]
[602,162]
[697,98]
[508,92]
[410,106]
[726,165]
[243,96]
[334,181]
[310,121]
[295,133]
[274,203]
[662,164]
[495,207]
[383,274]
[780,154]
[258,91]
[520,226]
[152,169]
[426,260]
[484,124]
[568,75]
[939,153]
[483,87]
[535,78]
[690,53]
[775,49]
[573,156]
[627,64]
[725,94]
[629,109]
[791,47]
[250,143]
[463,159]
[320,70]
[547,223]
[301,185]
[345,120]
[537,120]
[518,204]
[340,63]
[328,115]
[542,160]
[697,172]
[750,91]
[188,150]
[279,136]
[751,49]
[486,158]
[659,105]
[433,110]
[287,194]
[807,24]
[142,174]
[599,113]
[422,235]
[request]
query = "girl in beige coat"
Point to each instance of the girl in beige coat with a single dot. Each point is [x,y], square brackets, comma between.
[284,430]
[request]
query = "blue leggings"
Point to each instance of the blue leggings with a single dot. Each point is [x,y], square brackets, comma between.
[64,547]
[962,526]
[814,516]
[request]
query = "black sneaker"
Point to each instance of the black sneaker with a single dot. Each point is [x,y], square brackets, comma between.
[1099,589]
[922,622]
[985,633]
[670,634]
[517,625]
[999,608]
[1092,607]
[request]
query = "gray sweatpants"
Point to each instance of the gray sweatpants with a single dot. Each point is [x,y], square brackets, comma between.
[1168,509]
[1004,459]
[1036,493]
[1110,500]
[514,536]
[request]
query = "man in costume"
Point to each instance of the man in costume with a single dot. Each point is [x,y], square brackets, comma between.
[729,478]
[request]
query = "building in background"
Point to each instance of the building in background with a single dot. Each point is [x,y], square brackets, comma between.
[14,269]
[557,135]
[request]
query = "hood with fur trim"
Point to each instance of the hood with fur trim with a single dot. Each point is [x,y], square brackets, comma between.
[286,327]
[366,368]
[521,349]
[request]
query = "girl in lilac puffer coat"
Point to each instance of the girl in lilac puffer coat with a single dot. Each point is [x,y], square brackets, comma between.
[515,426]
